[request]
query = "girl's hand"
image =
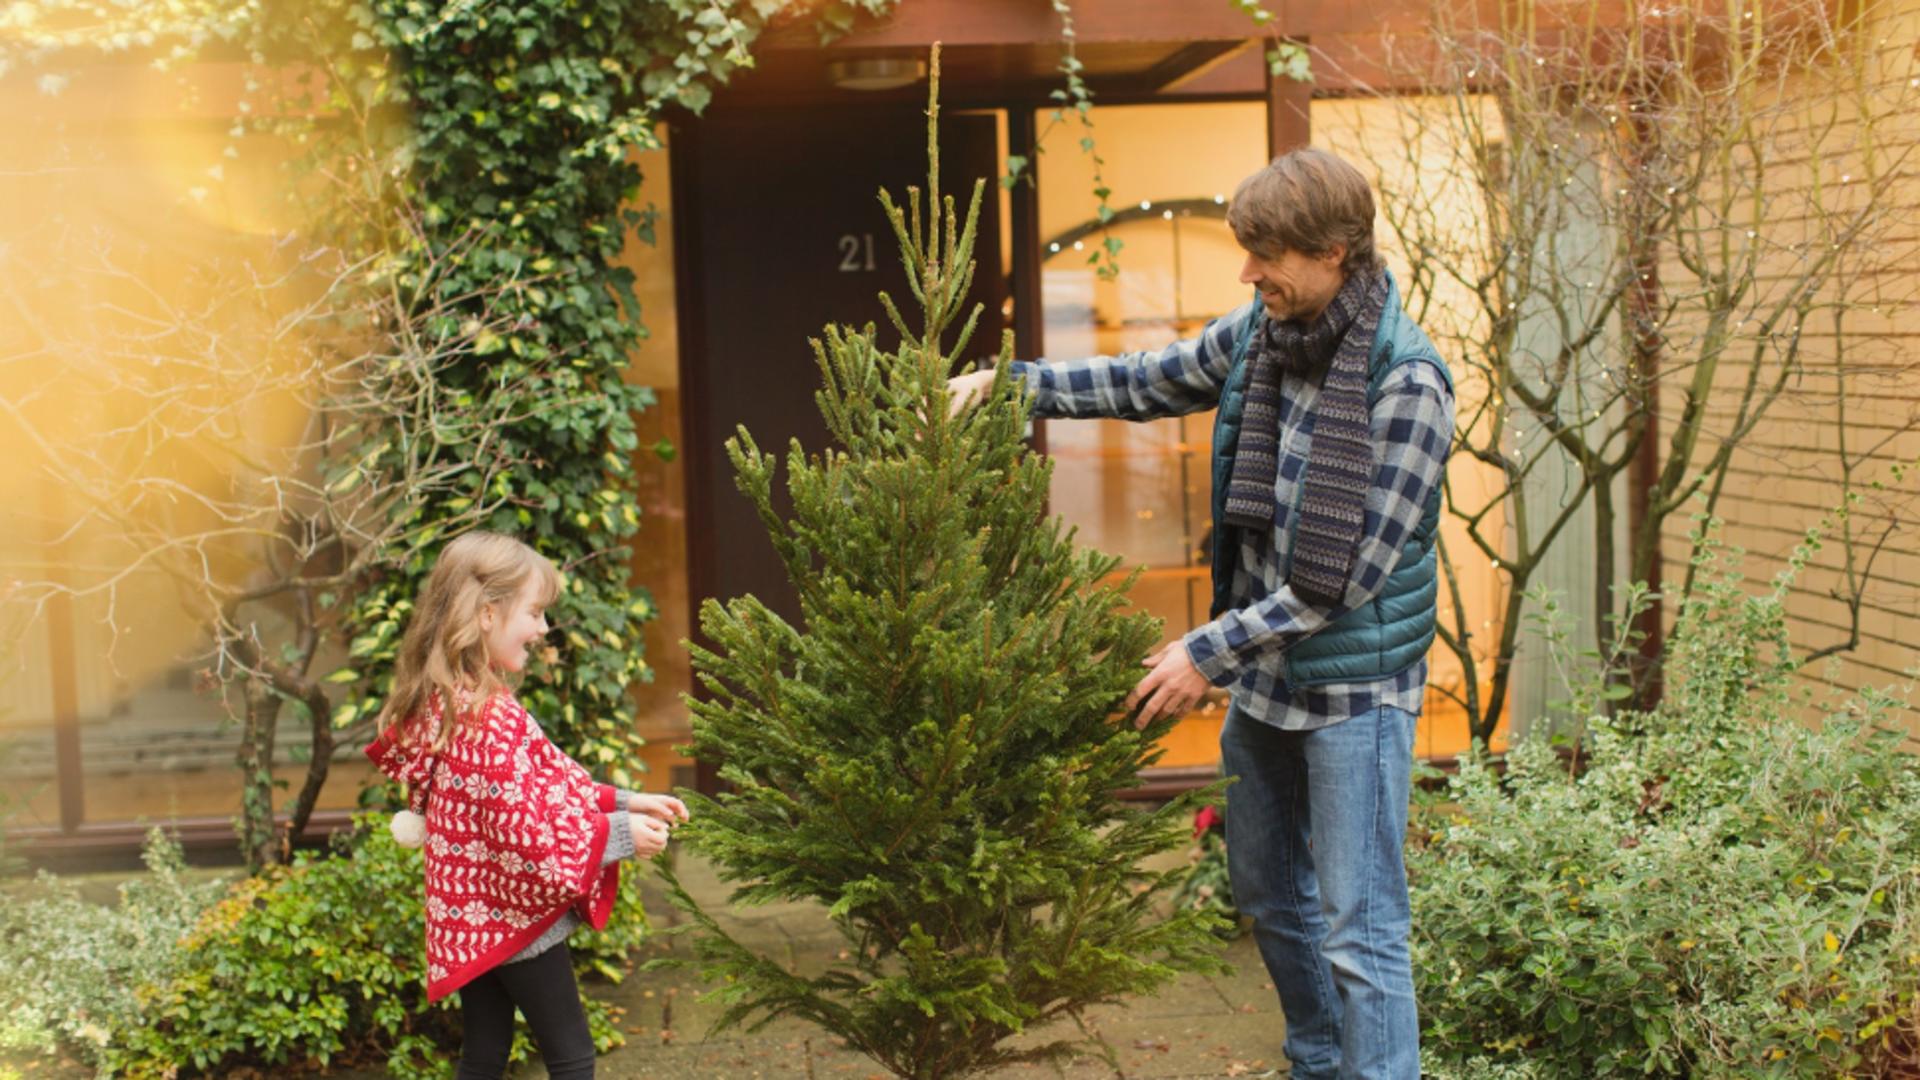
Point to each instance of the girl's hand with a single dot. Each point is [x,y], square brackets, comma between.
[663,808]
[649,836]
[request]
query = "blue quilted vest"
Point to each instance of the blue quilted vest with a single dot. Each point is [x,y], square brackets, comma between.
[1392,633]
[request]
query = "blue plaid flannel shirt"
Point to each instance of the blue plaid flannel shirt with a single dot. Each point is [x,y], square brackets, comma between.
[1245,648]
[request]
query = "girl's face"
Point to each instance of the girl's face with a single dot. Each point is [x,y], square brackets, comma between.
[511,629]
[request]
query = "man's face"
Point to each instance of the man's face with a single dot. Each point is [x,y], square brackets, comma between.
[1295,286]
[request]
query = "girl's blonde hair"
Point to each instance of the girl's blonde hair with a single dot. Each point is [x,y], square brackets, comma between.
[444,651]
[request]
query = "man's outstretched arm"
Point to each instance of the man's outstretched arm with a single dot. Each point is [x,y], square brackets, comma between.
[1184,377]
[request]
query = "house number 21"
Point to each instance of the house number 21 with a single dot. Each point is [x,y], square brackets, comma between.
[852,259]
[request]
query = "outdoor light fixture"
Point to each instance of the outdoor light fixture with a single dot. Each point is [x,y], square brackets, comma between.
[876,73]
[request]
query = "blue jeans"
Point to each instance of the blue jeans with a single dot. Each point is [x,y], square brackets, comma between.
[1315,826]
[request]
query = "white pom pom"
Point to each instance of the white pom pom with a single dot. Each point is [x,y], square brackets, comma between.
[409,829]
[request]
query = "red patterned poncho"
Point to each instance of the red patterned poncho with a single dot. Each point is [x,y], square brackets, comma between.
[515,833]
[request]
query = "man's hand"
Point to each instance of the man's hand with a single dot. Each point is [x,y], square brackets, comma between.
[649,836]
[1171,688]
[662,808]
[965,388]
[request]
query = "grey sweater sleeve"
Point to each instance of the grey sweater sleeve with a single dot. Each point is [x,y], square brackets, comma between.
[619,838]
[619,846]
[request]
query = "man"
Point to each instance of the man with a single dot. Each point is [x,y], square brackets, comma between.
[1336,414]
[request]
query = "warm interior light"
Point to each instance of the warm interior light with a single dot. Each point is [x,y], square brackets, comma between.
[876,73]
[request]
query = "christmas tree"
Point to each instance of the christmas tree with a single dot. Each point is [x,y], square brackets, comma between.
[935,756]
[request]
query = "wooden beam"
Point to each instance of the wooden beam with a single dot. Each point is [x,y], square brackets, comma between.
[62,664]
[695,384]
[115,845]
[911,27]
[957,23]
[1188,63]
[1029,316]
[1289,113]
[66,711]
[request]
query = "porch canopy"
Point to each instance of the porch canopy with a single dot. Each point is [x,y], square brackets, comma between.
[997,53]
[1002,53]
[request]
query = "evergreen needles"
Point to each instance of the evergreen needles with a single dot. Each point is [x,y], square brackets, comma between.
[934,756]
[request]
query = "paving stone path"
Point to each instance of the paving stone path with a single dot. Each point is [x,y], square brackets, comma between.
[1223,1026]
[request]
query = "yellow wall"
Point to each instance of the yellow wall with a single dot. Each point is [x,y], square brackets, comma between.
[660,548]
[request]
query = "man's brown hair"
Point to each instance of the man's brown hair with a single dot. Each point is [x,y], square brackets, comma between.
[1310,201]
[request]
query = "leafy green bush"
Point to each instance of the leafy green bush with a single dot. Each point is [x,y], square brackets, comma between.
[1478,1068]
[309,963]
[298,964]
[1723,891]
[69,968]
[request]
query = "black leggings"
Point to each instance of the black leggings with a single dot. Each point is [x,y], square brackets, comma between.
[548,997]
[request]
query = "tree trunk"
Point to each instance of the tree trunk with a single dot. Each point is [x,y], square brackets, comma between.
[1644,494]
[320,723]
[258,841]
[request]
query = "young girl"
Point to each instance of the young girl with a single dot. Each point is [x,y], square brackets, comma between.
[521,845]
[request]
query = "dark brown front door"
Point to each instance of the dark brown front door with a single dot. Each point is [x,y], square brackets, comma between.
[780,232]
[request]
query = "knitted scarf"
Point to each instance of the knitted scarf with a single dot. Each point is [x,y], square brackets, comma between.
[515,832]
[1340,461]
